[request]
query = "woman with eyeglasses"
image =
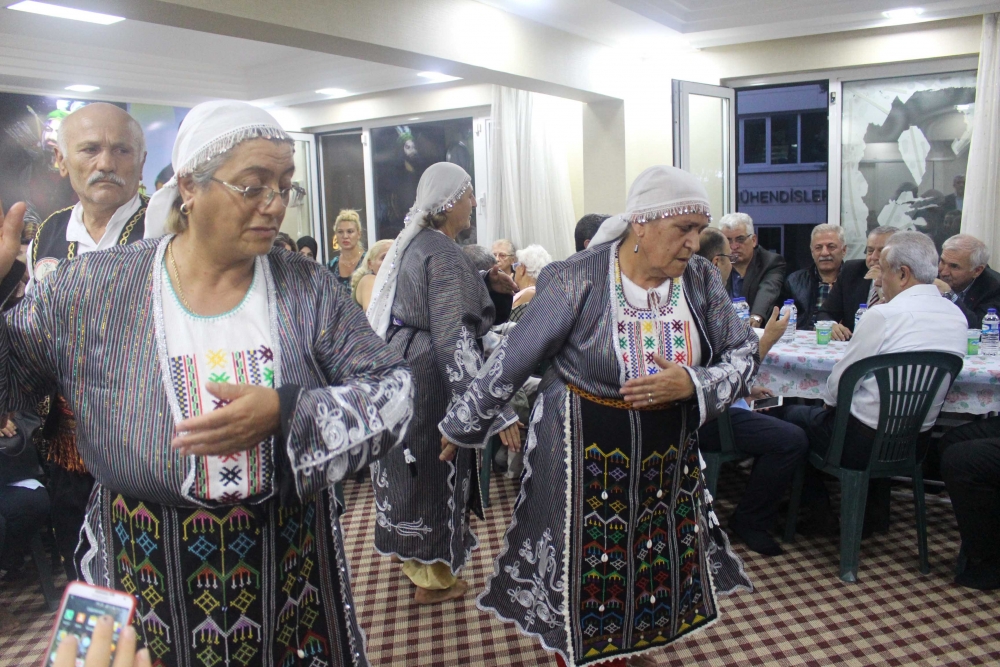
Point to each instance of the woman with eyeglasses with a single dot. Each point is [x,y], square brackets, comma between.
[221,387]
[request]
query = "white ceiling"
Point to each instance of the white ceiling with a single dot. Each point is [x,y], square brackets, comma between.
[707,23]
[143,62]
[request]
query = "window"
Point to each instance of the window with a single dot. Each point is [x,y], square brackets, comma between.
[815,135]
[785,139]
[755,141]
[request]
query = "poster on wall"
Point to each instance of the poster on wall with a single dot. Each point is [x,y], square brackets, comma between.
[399,157]
[29,132]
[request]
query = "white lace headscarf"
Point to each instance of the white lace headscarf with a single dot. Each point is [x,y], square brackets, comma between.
[658,192]
[208,130]
[441,186]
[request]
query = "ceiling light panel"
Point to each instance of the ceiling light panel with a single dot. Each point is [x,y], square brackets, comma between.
[58,11]
[438,77]
[82,88]
[903,14]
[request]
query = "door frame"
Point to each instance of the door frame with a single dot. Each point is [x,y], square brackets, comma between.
[313,178]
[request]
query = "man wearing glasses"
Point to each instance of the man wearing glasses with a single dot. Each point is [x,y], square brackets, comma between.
[855,286]
[504,253]
[102,150]
[758,274]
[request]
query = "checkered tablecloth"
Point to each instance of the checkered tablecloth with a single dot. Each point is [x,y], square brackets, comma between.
[801,369]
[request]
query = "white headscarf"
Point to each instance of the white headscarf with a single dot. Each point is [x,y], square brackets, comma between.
[440,187]
[208,130]
[658,192]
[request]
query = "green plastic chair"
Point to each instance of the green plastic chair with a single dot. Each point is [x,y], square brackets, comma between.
[907,384]
[727,452]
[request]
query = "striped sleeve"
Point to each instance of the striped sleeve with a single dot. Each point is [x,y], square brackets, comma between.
[27,350]
[364,410]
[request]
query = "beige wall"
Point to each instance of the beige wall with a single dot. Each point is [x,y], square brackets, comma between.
[921,41]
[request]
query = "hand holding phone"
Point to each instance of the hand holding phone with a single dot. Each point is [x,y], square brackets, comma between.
[99,653]
[83,609]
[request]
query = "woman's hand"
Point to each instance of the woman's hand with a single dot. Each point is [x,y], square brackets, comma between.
[670,385]
[757,393]
[251,415]
[99,653]
[9,429]
[500,282]
[775,328]
[448,449]
[10,236]
[511,437]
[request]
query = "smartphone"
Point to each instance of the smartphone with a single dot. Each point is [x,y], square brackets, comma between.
[82,604]
[767,403]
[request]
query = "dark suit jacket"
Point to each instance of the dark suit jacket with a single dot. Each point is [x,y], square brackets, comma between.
[850,291]
[800,286]
[983,294]
[763,282]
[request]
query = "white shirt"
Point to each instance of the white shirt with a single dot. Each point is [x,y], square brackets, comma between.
[918,319]
[77,232]
[233,348]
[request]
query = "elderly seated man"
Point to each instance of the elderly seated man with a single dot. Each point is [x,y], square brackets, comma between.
[809,287]
[778,447]
[964,276]
[758,274]
[913,318]
[855,286]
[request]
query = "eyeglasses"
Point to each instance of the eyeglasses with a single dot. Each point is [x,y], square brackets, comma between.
[732,258]
[261,194]
[501,255]
[739,240]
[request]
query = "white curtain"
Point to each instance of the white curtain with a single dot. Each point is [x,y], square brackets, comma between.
[982,186]
[528,197]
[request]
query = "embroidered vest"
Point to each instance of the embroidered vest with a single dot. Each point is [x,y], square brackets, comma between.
[50,243]
[50,246]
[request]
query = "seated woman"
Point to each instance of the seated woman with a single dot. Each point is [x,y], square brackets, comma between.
[221,388]
[363,279]
[530,262]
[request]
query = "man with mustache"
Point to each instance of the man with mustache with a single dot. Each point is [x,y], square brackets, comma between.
[811,286]
[102,150]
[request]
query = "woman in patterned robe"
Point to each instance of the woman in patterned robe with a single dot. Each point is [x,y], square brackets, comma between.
[613,549]
[221,388]
[439,308]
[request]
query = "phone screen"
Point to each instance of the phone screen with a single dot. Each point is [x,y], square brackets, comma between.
[765,403]
[79,618]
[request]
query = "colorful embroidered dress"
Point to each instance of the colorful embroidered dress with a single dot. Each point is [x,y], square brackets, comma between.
[234,560]
[613,549]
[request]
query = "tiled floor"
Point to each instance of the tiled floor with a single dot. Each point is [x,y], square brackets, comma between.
[799,614]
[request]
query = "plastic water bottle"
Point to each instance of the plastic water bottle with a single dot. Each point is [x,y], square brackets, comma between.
[989,344]
[862,309]
[742,308]
[789,335]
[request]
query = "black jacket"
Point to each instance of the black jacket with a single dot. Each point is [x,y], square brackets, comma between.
[850,291]
[763,282]
[801,287]
[983,294]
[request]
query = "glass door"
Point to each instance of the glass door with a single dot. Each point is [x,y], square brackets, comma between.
[705,140]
